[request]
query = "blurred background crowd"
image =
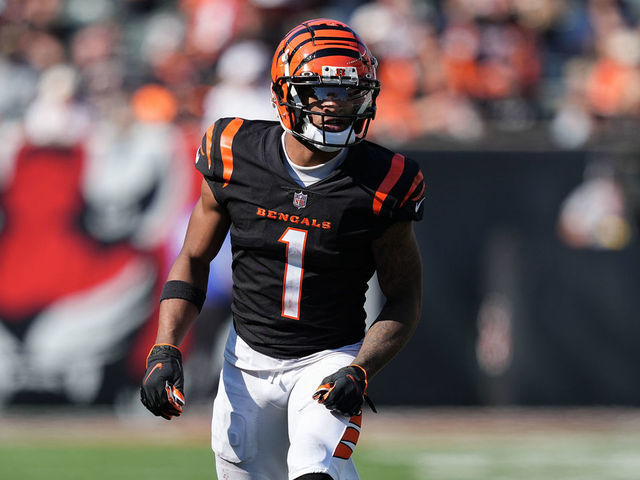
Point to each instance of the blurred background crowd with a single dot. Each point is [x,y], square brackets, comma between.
[458,69]
[103,104]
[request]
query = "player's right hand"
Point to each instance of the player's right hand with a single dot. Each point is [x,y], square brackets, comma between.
[163,382]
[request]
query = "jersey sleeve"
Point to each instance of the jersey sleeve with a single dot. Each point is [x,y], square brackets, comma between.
[400,195]
[214,158]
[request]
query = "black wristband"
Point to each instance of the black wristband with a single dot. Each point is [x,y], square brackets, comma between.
[185,291]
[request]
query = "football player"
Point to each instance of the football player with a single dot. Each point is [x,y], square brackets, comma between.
[313,210]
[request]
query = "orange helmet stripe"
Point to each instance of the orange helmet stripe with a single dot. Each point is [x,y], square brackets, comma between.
[326,52]
[322,24]
[308,39]
[350,41]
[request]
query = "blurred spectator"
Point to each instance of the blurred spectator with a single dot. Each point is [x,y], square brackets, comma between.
[491,56]
[54,118]
[396,32]
[613,84]
[451,68]
[231,18]
[572,124]
[23,80]
[596,214]
[242,85]
[600,84]
[134,182]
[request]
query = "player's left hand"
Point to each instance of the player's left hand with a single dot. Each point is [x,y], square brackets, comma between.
[163,383]
[344,391]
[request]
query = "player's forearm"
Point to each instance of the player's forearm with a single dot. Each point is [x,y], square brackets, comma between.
[175,320]
[399,269]
[190,269]
[177,315]
[388,335]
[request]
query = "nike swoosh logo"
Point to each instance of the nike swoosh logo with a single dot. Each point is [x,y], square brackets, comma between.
[157,366]
[419,203]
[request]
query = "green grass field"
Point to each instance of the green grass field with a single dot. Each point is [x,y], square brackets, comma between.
[413,445]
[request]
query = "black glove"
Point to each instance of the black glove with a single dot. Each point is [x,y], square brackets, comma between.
[344,391]
[161,390]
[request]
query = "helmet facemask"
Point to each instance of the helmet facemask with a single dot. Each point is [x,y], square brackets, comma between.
[329,111]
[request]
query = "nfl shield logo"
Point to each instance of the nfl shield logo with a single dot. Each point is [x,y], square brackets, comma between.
[299,199]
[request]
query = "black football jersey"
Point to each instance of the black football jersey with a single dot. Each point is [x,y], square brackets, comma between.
[302,255]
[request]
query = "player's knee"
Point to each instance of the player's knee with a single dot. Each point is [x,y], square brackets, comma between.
[315,476]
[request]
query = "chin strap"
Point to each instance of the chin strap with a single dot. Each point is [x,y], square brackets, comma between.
[316,137]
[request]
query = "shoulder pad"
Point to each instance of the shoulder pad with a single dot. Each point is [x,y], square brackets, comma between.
[214,158]
[400,193]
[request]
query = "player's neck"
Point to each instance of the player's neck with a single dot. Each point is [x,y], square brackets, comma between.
[303,155]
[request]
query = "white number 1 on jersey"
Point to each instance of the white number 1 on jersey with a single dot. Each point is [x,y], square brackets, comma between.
[292,288]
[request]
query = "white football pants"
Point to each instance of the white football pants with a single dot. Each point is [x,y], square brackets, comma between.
[266,425]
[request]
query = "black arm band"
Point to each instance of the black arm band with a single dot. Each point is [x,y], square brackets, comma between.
[185,291]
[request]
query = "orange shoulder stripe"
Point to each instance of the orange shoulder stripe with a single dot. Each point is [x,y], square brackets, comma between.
[209,136]
[226,141]
[419,194]
[416,181]
[397,166]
